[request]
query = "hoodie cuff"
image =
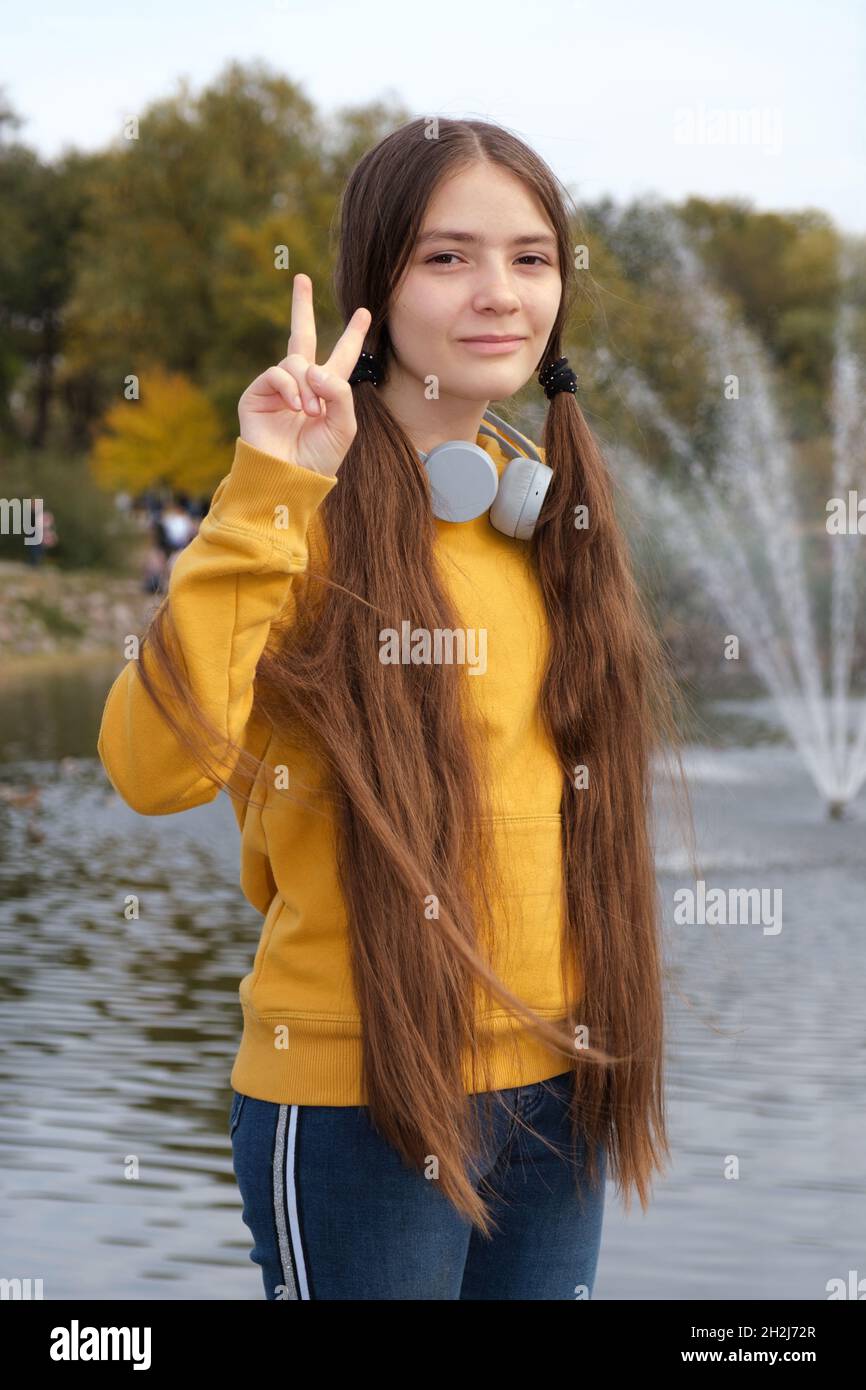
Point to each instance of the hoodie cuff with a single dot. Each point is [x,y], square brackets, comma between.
[268,495]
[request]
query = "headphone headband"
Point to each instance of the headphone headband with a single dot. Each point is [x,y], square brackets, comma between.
[514,443]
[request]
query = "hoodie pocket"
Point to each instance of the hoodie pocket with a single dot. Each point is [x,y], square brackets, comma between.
[527,952]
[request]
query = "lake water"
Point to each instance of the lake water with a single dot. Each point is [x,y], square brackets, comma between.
[118,1037]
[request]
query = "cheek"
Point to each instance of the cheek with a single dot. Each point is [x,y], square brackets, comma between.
[554,301]
[543,313]
[422,312]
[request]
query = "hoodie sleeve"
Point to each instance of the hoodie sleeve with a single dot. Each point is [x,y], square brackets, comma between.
[227,587]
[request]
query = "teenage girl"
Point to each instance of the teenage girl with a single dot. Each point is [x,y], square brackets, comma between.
[453,1026]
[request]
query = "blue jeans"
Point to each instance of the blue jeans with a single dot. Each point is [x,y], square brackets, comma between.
[335,1213]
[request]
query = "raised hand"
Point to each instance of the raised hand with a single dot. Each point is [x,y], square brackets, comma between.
[298,411]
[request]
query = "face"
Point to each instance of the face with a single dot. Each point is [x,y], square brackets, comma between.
[486,283]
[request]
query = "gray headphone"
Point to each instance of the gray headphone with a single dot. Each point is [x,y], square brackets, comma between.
[464,481]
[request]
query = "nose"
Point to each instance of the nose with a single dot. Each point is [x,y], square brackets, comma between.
[496,290]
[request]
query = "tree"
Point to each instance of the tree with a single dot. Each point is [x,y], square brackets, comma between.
[170,437]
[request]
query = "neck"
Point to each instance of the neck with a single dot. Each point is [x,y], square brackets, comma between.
[429,422]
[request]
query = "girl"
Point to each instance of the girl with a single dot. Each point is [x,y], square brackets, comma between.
[453,1023]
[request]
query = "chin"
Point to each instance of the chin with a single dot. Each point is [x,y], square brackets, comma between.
[487,378]
[498,378]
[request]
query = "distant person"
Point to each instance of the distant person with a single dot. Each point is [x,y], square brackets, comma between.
[178,526]
[34,553]
[154,560]
[175,529]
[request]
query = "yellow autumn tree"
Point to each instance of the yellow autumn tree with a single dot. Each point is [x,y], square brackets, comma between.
[169,435]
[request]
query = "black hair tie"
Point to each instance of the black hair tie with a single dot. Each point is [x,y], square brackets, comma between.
[557,376]
[367,368]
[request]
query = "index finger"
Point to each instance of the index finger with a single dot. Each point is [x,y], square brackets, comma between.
[347,350]
[303,334]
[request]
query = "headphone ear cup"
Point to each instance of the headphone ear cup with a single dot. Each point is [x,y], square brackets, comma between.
[522,489]
[463,480]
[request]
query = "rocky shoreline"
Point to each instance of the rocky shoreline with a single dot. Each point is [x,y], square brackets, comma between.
[51,617]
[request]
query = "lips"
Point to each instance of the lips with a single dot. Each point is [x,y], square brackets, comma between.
[492,346]
[495,338]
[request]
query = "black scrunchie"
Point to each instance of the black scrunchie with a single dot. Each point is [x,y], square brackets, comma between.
[557,376]
[367,368]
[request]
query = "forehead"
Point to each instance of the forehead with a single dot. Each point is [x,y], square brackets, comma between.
[486,198]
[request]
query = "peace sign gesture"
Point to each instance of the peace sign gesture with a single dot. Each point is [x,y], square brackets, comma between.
[300,412]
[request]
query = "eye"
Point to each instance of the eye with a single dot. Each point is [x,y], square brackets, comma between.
[442,256]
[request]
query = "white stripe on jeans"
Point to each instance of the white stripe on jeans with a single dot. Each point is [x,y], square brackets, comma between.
[286,1204]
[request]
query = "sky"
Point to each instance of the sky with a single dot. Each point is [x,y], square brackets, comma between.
[763,100]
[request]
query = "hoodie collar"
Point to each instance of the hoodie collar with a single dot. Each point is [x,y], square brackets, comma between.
[494,449]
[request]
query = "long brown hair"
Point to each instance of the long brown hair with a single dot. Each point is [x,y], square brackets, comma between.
[407,772]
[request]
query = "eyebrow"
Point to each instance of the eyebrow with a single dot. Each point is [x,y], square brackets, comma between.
[443,234]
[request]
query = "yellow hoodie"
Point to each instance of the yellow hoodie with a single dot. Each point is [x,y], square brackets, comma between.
[301,1040]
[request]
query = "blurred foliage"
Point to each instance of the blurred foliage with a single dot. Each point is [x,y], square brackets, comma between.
[91,532]
[169,438]
[159,257]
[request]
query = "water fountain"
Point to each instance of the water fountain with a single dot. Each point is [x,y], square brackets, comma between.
[736,525]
